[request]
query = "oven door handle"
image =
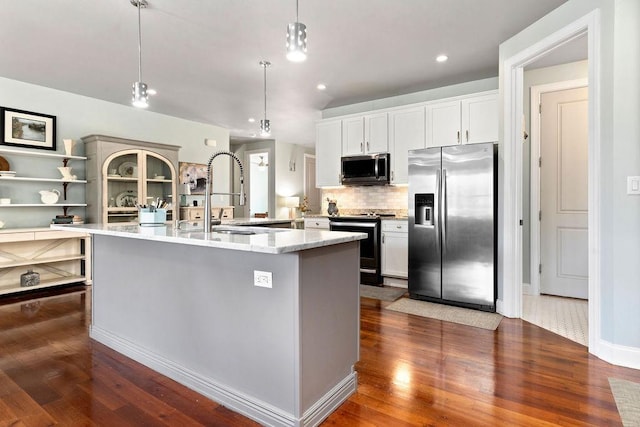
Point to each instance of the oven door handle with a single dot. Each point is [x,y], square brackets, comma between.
[352,224]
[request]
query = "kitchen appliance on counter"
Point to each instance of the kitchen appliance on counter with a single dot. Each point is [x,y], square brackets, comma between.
[453,225]
[369,223]
[373,169]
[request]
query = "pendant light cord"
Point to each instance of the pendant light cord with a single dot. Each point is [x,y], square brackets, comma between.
[265,90]
[297,11]
[139,45]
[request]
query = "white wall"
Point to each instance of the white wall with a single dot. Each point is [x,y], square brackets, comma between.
[79,116]
[539,76]
[619,67]
[289,182]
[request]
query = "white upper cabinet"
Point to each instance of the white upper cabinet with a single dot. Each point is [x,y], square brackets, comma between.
[480,119]
[443,124]
[328,152]
[465,121]
[406,132]
[365,134]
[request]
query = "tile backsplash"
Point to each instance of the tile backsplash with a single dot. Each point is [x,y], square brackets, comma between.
[385,198]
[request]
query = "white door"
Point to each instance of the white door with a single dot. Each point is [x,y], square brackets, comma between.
[443,126]
[407,132]
[353,136]
[563,193]
[480,119]
[312,192]
[328,152]
[376,133]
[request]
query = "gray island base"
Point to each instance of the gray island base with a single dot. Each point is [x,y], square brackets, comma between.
[283,356]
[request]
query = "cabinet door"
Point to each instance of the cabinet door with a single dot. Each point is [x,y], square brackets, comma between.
[328,152]
[352,136]
[122,188]
[443,127]
[480,119]
[395,254]
[407,132]
[376,133]
[159,180]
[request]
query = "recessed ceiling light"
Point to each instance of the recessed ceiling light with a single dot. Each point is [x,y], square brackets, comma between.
[442,58]
[321,86]
[251,120]
[152,91]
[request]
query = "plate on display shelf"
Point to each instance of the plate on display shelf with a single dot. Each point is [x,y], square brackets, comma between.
[127,169]
[4,164]
[127,199]
[8,173]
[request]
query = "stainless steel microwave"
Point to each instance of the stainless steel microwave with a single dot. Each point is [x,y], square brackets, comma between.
[373,169]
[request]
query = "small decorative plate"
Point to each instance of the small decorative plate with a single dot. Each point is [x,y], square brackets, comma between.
[4,164]
[127,199]
[126,169]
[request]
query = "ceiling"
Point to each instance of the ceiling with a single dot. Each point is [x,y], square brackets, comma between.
[202,55]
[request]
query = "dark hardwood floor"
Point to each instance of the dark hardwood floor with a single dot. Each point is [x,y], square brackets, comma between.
[412,372]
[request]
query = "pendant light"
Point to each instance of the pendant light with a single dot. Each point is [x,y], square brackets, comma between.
[265,125]
[140,97]
[296,40]
[262,165]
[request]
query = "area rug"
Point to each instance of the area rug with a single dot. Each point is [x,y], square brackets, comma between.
[381,293]
[463,316]
[627,397]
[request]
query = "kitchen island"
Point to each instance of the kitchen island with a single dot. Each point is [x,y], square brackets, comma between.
[266,324]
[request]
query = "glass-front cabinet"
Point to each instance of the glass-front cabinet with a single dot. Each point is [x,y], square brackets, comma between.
[129,174]
[136,178]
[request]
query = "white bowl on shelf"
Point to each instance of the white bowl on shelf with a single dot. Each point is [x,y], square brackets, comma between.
[158,177]
[8,173]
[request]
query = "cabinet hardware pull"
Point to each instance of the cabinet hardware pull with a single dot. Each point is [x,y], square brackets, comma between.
[458,137]
[382,237]
[467,131]
[361,149]
[368,146]
[392,176]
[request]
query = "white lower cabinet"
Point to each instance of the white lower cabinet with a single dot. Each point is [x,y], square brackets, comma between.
[59,258]
[395,248]
[321,223]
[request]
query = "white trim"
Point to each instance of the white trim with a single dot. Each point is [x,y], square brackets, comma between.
[619,354]
[534,180]
[235,400]
[527,289]
[512,157]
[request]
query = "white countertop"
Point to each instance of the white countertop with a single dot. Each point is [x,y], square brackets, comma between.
[267,240]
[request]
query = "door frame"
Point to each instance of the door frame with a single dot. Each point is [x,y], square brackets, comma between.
[511,250]
[304,176]
[534,190]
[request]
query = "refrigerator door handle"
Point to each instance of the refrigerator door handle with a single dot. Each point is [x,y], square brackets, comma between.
[436,207]
[375,167]
[444,209]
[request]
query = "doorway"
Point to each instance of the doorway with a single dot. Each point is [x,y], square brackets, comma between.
[311,191]
[512,248]
[258,195]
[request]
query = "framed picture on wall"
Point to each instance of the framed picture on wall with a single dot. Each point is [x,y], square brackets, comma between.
[194,174]
[28,129]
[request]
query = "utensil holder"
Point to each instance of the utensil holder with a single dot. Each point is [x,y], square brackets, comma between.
[152,218]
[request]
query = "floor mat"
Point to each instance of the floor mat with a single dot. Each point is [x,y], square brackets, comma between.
[463,316]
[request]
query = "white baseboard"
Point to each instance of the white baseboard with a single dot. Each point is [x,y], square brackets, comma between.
[526,288]
[235,400]
[500,306]
[617,354]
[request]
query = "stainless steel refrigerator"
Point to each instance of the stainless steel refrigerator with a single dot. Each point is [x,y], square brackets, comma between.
[453,225]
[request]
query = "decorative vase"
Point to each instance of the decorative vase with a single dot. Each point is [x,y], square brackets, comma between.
[49,197]
[66,173]
[332,209]
[68,146]
[30,278]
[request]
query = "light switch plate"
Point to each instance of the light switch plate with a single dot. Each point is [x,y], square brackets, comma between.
[633,185]
[262,279]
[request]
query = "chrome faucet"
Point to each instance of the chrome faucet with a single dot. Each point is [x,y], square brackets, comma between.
[208,193]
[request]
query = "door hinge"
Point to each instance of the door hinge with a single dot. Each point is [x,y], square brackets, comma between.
[540,108]
[539,215]
[540,268]
[539,162]
[521,222]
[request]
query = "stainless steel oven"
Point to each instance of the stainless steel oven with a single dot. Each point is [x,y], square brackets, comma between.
[369,247]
